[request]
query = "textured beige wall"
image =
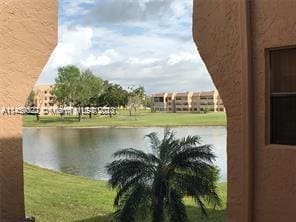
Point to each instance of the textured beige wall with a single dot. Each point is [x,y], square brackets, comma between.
[28,35]
[216,32]
[232,37]
[273,25]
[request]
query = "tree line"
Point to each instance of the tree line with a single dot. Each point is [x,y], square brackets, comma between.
[82,88]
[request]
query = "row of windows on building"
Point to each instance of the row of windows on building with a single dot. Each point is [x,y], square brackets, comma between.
[188,102]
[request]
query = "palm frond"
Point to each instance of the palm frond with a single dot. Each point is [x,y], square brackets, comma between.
[201,153]
[154,141]
[169,134]
[198,186]
[201,205]
[135,154]
[123,171]
[131,203]
[168,144]
[213,199]
[167,148]
[189,141]
[127,187]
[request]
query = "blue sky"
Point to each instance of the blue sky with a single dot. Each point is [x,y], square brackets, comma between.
[130,42]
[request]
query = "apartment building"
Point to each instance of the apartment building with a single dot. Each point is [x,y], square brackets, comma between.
[211,101]
[183,102]
[171,102]
[188,102]
[159,102]
[195,102]
[44,100]
[43,96]
[220,105]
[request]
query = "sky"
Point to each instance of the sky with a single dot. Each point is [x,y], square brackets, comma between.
[130,42]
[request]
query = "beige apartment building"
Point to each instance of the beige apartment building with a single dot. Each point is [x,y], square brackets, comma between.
[183,102]
[43,98]
[195,102]
[159,102]
[47,106]
[188,102]
[171,102]
[164,102]
[211,101]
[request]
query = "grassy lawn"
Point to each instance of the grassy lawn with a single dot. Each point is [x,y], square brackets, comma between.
[57,197]
[140,119]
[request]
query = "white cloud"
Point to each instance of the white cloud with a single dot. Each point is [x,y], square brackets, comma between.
[74,7]
[181,57]
[97,61]
[143,61]
[110,56]
[180,8]
[153,48]
[73,43]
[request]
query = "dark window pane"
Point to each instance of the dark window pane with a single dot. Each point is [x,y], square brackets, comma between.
[283,119]
[283,96]
[283,71]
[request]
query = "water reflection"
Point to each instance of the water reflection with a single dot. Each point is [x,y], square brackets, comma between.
[85,152]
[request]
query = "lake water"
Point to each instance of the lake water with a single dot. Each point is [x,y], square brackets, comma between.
[85,152]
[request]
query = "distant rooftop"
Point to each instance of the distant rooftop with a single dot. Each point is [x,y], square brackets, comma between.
[183,93]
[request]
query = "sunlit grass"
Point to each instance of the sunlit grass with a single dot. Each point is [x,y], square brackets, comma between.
[56,197]
[138,119]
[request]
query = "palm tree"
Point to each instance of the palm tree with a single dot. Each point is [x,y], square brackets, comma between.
[155,183]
